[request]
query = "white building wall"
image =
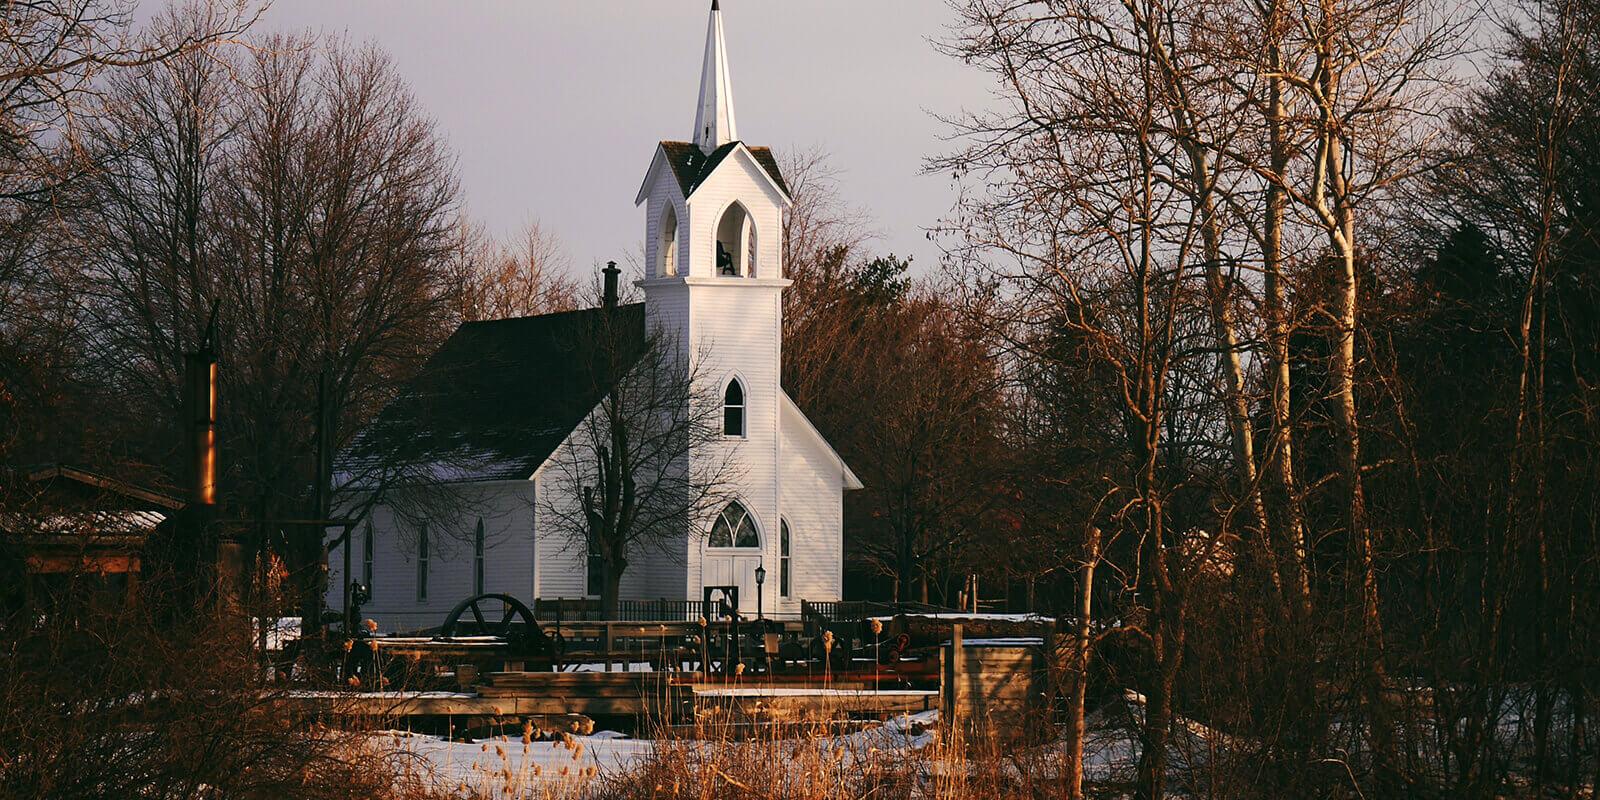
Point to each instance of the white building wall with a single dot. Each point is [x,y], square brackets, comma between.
[506,508]
[653,573]
[813,493]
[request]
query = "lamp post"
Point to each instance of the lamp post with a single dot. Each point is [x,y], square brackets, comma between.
[761,577]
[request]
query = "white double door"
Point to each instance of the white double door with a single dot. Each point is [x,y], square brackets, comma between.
[734,569]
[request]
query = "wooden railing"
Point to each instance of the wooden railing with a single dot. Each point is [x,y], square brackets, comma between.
[855,610]
[583,609]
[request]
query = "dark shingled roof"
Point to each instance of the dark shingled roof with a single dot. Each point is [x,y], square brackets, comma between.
[496,399]
[691,167]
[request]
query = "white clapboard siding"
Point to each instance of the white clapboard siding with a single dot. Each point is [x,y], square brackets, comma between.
[813,487]
[506,508]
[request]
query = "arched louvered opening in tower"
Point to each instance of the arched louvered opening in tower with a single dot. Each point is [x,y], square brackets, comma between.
[735,232]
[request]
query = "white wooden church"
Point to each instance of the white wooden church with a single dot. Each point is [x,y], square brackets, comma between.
[496,403]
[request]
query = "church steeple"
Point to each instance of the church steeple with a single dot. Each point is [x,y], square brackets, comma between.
[713,120]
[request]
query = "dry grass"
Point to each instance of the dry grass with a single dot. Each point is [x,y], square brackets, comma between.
[720,760]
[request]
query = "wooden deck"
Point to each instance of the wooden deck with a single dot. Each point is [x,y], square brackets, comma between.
[662,696]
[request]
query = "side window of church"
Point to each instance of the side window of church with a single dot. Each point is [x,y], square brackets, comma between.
[422,563]
[366,561]
[477,559]
[783,559]
[733,409]
[595,579]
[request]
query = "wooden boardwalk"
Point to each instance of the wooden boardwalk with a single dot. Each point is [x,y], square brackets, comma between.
[661,696]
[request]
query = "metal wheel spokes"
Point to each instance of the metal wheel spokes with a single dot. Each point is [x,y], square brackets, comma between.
[508,625]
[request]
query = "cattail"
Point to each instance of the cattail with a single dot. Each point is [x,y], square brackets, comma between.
[738,669]
[370,624]
[577,751]
[372,644]
[877,627]
[347,645]
[827,641]
[354,681]
[703,622]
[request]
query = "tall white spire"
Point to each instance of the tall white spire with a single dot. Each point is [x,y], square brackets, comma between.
[713,120]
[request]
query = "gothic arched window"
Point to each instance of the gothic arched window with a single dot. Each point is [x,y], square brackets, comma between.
[667,247]
[477,558]
[733,409]
[734,528]
[785,582]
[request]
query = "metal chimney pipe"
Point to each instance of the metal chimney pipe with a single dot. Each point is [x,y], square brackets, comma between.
[611,272]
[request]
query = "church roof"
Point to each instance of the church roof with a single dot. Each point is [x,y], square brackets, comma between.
[691,167]
[496,399]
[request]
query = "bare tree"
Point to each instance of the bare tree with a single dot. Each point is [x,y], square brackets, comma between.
[56,59]
[52,55]
[521,277]
[300,195]
[647,465]
[1100,218]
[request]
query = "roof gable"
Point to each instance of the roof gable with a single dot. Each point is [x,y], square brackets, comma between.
[810,431]
[497,398]
[690,167]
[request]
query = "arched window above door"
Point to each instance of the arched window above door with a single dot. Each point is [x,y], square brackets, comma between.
[734,528]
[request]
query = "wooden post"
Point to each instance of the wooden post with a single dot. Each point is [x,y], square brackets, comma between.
[951,680]
[607,646]
[705,651]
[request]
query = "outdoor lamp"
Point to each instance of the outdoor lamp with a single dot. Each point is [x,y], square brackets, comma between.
[761,577]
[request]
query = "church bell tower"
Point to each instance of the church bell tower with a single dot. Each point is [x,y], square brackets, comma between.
[714,278]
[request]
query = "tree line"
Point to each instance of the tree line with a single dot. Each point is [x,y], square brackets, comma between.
[1262,354]
[1262,351]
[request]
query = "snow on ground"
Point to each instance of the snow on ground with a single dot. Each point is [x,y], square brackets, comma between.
[1111,751]
[1002,641]
[616,666]
[280,630]
[512,763]
[508,763]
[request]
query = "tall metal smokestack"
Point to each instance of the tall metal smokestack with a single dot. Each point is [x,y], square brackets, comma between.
[186,550]
[200,422]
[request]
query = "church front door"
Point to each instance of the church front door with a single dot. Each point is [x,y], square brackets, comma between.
[722,569]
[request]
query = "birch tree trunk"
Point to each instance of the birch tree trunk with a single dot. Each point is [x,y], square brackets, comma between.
[1076,728]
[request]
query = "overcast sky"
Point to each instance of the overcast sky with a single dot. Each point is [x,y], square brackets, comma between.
[555,106]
